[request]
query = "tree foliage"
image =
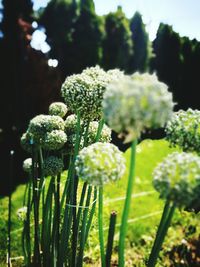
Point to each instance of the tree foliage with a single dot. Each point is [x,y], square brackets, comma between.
[58,19]
[117,45]
[86,38]
[167,60]
[142,48]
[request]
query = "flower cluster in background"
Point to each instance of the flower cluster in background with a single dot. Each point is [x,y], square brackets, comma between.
[137,103]
[177,178]
[184,130]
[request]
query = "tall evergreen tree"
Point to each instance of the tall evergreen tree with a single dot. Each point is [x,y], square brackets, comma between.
[12,84]
[117,45]
[12,57]
[189,82]
[167,60]
[58,19]
[142,47]
[87,38]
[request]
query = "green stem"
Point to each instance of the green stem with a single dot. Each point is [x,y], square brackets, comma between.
[160,227]
[161,236]
[91,215]
[9,206]
[110,240]
[100,223]
[81,204]
[47,224]
[66,191]
[36,256]
[83,228]
[58,217]
[70,212]
[99,130]
[74,194]
[123,227]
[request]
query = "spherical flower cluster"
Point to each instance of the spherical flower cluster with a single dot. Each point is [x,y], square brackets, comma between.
[70,130]
[71,123]
[46,131]
[84,92]
[41,124]
[100,163]
[54,140]
[21,213]
[52,166]
[58,109]
[177,178]
[105,136]
[136,103]
[184,130]
[115,75]
[27,165]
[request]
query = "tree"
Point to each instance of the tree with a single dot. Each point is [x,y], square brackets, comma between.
[117,45]
[142,49]
[87,38]
[28,86]
[167,60]
[58,19]
[12,58]
[190,72]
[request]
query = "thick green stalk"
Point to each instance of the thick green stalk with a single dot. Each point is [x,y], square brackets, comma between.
[47,224]
[110,240]
[81,204]
[66,191]
[36,255]
[160,227]
[74,195]
[58,217]
[9,206]
[123,227]
[161,236]
[26,243]
[100,224]
[99,130]
[91,214]
[70,211]
[83,228]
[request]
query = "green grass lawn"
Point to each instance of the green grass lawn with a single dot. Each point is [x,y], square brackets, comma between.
[145,212]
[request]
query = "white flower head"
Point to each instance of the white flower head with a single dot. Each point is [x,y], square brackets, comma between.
[58,109]
[184,130]
[54,140]
[177,178]
[27,165]
[40,125]
[100,163]
[84,92]
[105,136]
[136,103]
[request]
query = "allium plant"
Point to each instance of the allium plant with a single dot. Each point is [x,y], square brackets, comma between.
[129,105]
[184,130]
[58,109]
[99,164]
[84,92]
[66,220]
[177,179]
[136,103]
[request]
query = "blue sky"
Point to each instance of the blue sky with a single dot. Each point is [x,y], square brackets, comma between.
[183,15]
